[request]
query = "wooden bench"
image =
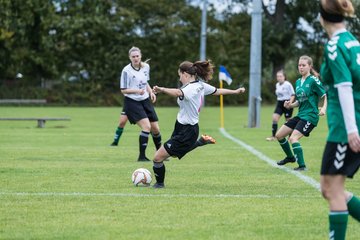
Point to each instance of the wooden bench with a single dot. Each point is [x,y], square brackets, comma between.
[23,101]
[41,120]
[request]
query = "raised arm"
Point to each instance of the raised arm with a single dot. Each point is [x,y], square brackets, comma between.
[225,91]
[175,92]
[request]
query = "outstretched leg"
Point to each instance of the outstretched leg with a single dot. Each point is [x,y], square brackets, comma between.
[203,140]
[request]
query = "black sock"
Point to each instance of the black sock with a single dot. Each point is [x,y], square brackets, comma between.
[159,170]
[143,141]
[274,128]
[198,143]
[157,140]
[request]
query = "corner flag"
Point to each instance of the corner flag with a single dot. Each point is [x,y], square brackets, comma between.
[224,75]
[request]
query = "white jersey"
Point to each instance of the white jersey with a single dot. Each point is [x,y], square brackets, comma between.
[192,100]
[284,91]
[135,79]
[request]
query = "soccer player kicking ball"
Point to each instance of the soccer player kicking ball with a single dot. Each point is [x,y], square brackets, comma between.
[189,98]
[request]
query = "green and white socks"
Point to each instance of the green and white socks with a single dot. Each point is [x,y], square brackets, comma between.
[338,224]
[284,143]
[298,152]
[117,136]
[338,219]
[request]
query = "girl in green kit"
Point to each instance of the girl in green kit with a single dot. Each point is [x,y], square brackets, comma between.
[308,91]
[340,72]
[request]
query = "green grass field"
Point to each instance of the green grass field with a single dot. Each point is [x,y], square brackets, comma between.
[64,181]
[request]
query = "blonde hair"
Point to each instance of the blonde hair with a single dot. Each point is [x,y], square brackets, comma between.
[340,7]
[310,62]
[136,49]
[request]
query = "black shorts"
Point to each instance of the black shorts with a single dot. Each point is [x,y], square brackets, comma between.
[137,110]
[339,159]
[305,127]
[182,139]
[280,109]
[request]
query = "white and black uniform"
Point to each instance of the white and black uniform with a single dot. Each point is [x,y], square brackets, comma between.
[186,129]
[137,106]
[283,93]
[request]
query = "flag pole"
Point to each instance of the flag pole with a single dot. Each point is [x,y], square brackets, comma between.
[221,107]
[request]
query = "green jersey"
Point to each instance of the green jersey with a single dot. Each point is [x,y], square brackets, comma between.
[341,64]
[308,93]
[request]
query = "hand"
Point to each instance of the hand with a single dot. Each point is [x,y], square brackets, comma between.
[153,97]
[322,112]
[287,105]
[240,90]
[157,89]
[141,91]
[354,141]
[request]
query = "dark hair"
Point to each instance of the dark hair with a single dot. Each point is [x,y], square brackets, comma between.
[201,69]
[282,72]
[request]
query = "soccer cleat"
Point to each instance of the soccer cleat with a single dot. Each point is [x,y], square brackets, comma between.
[159,185]
[270,139]
[144,159]
[302,168]
[113,144]
[206,139]
[286,160]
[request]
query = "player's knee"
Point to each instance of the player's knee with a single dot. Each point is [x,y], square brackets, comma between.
[293,139]
[325,193]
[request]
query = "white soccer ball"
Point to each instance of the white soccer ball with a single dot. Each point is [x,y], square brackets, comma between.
[141,177]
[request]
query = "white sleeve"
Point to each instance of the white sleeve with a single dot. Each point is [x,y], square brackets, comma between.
[209,89]
[124,80]
[347,106]
[291,89]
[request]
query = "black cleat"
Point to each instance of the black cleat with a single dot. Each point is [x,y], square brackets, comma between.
[144,159]
[286,160]
[302,168]
[159,185]
[114,144]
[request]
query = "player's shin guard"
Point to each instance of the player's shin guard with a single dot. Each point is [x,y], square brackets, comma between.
[286,147]
[353,205]
[298,152]
[157,140]
[338,224]
[159,171]
[143,141]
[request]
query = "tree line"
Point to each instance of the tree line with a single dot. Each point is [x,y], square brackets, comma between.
[72,51]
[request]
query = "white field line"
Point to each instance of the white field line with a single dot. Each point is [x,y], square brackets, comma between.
[312,182]
[89,194]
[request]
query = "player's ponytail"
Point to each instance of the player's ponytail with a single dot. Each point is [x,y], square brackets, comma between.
[201,69]
[204,69]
